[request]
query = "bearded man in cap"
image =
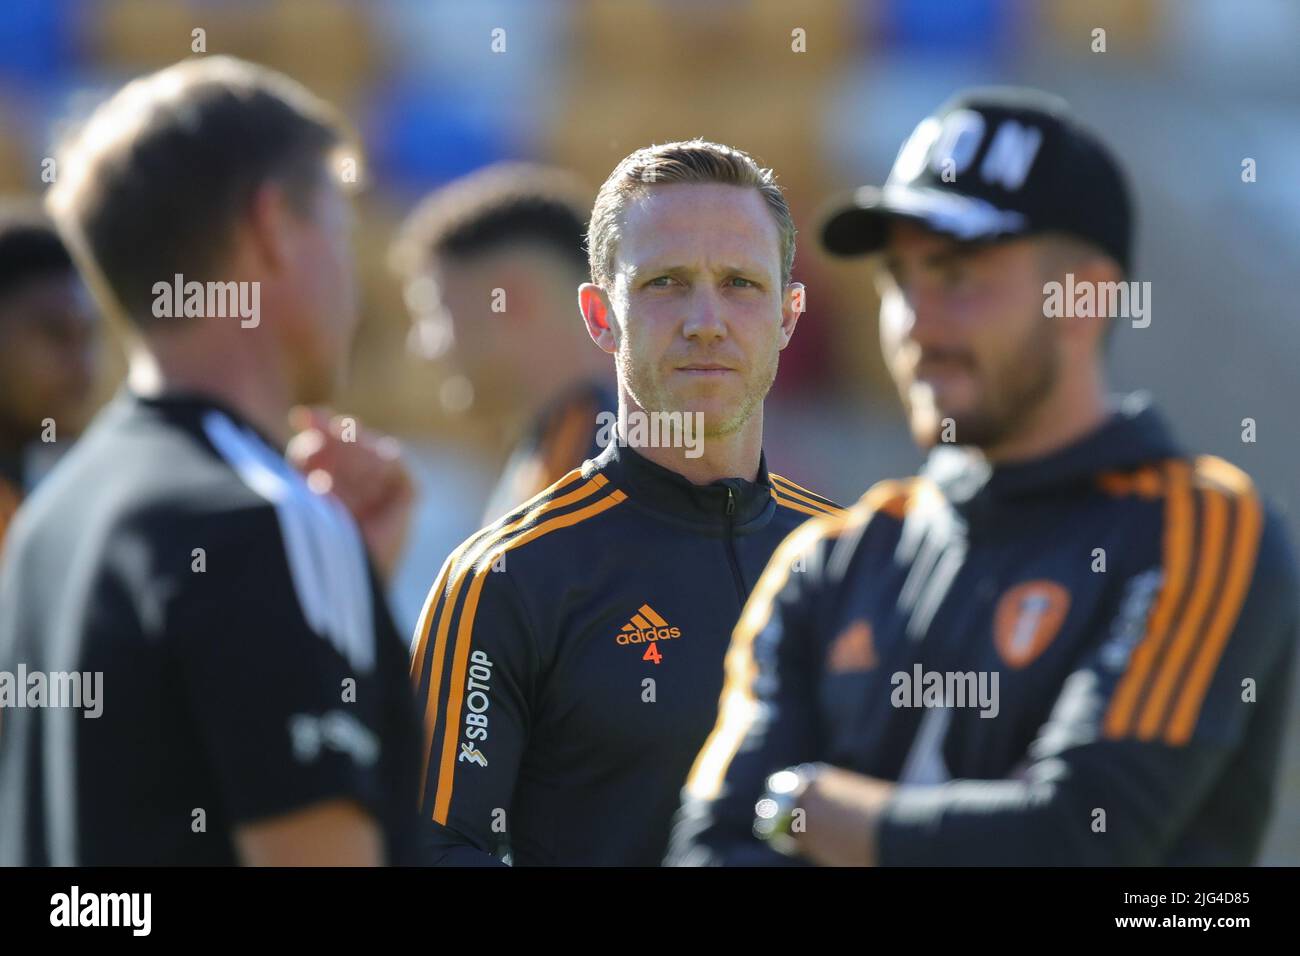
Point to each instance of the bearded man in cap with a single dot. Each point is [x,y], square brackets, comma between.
[1067,641]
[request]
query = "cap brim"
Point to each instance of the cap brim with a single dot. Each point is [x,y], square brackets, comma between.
[861,225]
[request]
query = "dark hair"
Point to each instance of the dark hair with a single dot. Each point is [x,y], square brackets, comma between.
[500,205]
[155,181]
[30,247]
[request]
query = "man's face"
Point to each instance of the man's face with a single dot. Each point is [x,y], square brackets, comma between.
[324,292]
[49,351]
[476,315]
[700,311]
[963,333]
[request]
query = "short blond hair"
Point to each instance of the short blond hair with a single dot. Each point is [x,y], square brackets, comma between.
[688,161]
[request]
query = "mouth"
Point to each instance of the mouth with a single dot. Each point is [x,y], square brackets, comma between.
[934,370]
[705,368]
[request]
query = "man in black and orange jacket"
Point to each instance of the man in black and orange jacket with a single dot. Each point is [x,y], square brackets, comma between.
[1067,641]
[569,655]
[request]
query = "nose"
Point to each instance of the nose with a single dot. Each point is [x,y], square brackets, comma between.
[920,316]
[704,322]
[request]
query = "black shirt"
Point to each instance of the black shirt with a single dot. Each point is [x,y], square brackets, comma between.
[569,659]
[564,434]
[228,625]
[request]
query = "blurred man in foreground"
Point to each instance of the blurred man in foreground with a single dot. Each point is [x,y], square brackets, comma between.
[196,662]
[1067,641]
[49,345]
[489,264]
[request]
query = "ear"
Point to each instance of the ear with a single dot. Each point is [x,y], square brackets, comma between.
[1086,332]
[268,227]
[597,312]
[793,304]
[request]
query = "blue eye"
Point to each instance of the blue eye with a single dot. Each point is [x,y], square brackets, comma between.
[747,282]
[660,282]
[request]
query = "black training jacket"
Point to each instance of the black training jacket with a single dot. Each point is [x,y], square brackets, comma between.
[1135,606]
[569,659]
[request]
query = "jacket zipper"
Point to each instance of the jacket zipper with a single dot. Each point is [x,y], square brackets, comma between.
[741,593]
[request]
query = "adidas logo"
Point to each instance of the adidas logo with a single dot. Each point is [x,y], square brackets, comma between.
[646,625]
[853,650]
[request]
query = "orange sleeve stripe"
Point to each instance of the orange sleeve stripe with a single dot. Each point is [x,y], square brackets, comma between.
[902,495]
[1177,548]
[736,705]
[425,624]
[1241,569]
[451,728]
[1225,474]
[465,558]
[798,493]
[456,697]
[1214,525]
[795,506]
[1148,482]
[433,602]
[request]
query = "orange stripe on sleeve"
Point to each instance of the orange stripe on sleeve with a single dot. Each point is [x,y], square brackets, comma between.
[794,492]
[1177,547]
[465,558]
[1241,568]
[451,727]
[431,604]
[795,506]
[425,624]
[1214,506]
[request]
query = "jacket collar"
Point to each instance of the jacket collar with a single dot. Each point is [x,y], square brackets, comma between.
[187,408]
[1134,434]
[671,494]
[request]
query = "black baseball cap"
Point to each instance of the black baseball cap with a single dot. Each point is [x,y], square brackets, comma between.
[990,164]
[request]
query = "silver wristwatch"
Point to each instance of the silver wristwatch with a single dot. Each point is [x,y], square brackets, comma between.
[774,814]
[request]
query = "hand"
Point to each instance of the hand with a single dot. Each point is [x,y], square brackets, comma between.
[364,470]
[842,812]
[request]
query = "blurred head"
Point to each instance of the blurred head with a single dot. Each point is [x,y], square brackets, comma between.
[964,332]
[691,247]
[489,264]
[49,331]
[218,171]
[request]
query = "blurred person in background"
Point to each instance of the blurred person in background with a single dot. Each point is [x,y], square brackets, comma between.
[49,346]
[490,263]
[232,686]
[1067,641]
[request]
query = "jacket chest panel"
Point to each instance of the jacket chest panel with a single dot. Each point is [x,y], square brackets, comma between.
[639,665]
[991,648]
